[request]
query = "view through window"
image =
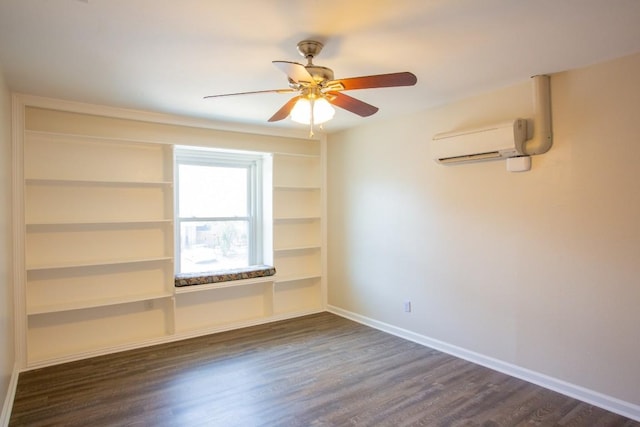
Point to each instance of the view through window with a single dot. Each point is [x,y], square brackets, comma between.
[218,210]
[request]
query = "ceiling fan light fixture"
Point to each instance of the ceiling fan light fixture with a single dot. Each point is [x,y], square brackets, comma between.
[322,111]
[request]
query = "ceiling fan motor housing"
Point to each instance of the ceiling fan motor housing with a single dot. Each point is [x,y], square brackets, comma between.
[309,49]
[320,74]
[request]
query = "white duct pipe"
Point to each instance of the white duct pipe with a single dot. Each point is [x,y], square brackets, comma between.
[542,138]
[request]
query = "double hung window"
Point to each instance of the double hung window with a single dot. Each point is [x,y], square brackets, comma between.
[218,199]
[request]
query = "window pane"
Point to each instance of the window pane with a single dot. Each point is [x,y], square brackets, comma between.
[212,191]
[213,245]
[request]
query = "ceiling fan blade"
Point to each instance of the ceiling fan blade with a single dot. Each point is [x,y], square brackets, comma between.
[283,112]
[349,103]
[380,80]
[251,93]
[296,72]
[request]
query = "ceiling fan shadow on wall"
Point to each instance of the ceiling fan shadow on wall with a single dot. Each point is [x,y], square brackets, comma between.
[318,90]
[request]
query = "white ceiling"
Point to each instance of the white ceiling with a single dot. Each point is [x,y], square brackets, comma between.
[165,55]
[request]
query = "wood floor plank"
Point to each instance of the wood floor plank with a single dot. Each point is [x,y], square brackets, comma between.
[318,370]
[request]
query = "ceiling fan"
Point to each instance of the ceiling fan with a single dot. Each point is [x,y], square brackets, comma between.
[318,89]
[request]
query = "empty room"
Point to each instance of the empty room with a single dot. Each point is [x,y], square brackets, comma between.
[276,213]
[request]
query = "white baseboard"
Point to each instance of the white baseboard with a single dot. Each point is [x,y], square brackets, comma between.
[8,400]
[609,403]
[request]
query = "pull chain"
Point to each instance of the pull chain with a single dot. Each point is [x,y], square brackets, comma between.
[312,105]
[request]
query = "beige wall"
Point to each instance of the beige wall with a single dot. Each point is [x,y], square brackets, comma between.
[6,286]
[539,269]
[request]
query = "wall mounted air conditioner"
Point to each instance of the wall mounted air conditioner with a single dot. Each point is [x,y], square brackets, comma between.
[499,141]
[504,140]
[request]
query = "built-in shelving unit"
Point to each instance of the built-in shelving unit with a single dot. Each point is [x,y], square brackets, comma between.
[98,243]
[97,271]
[297,200]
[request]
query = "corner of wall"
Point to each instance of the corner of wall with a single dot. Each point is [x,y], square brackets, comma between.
[7,355]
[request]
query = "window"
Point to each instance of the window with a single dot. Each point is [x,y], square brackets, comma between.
[218,199]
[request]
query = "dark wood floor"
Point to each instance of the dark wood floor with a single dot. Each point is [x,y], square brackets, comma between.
[319,370]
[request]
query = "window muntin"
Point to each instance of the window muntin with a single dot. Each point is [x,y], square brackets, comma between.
[218,210]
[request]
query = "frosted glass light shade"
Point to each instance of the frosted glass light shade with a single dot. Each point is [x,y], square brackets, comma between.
[322,111]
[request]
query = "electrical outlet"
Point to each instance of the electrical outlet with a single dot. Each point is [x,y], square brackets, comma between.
[407,306]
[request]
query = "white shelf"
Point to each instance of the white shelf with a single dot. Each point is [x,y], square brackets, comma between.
[96,263]
[297,248]
[296,188]
[103,302]
[296,219]
[296,155]
[63,181]
[99,223]
[221,285]
[296,278]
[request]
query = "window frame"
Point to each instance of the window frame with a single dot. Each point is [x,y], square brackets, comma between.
[254,165]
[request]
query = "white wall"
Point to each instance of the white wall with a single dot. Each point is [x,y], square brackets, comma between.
[6,286]
[538,269]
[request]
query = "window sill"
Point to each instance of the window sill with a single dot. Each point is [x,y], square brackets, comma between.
[193,279]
